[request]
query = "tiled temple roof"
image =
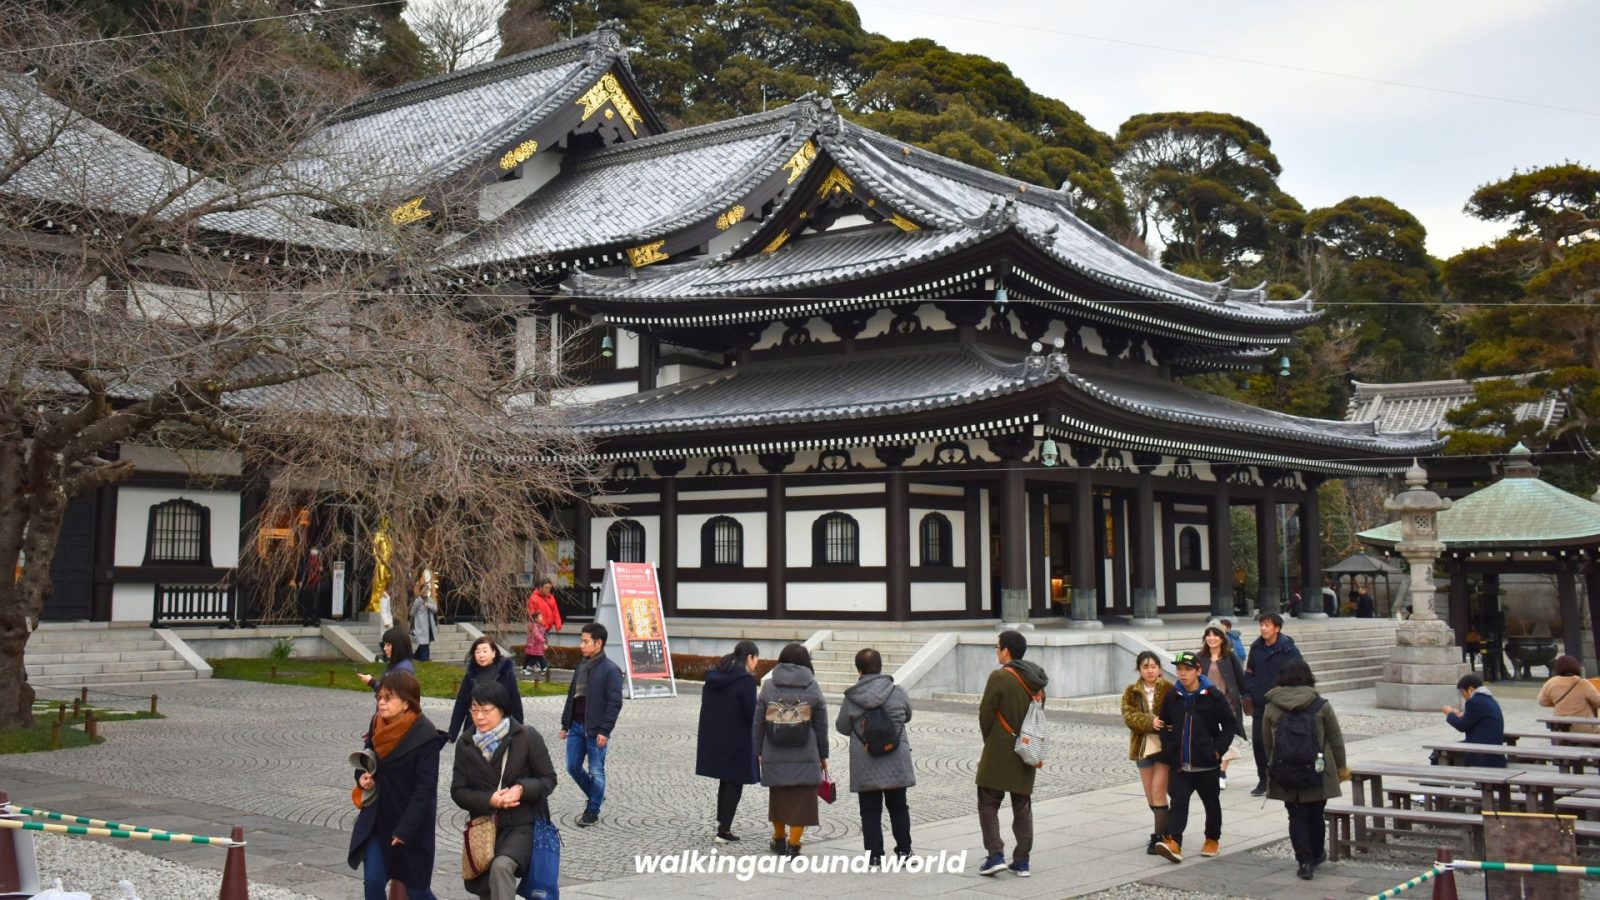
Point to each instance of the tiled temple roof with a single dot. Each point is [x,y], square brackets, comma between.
[84,165]
[1519,511]
[839,388]
[1414,405]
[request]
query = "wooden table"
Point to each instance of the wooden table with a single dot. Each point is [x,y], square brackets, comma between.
[1570,720]
[1559,738]
[1493,784]
[1567,759]
[1540,787]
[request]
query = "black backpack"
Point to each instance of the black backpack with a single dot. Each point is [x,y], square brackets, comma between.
[788,722]
[878,732]
[1295,749]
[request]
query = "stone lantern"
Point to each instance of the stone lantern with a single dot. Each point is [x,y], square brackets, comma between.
[1423,670]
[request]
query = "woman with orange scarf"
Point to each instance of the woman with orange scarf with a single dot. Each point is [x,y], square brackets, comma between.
[394,833]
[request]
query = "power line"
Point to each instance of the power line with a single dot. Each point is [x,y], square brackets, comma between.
[148,34]
[1206,54]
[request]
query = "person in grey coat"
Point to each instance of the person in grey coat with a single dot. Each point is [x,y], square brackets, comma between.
[879,781]
[791,728]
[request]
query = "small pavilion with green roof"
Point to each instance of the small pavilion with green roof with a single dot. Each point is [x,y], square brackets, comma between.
[1518,525]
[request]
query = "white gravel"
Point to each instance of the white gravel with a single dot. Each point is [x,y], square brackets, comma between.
[94,867]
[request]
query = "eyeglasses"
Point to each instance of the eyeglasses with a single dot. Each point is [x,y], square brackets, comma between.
[482,710]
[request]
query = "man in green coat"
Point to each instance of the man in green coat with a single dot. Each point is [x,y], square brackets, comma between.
[1000,770]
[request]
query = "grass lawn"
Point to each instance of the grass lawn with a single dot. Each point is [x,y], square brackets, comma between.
[37,738]
[438,679]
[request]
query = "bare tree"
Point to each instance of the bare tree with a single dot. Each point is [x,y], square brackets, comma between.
[460,33]
[148,303]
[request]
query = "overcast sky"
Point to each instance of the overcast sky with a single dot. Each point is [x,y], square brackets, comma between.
[1335,136]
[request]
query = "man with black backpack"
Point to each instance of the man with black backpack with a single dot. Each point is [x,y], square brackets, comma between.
[874,716]
[1198,727]
[1306,750]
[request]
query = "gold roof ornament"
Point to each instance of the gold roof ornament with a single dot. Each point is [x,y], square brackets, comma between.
[408,212]
[732,217]
[609,90]
[518,155]
[645,254]
[800,161]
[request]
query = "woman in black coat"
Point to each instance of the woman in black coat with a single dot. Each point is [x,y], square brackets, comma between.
[485,665]
[393,837]
[724,750]
[397,650]
[503,769]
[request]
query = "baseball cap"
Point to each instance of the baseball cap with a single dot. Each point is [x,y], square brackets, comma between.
[1185,658]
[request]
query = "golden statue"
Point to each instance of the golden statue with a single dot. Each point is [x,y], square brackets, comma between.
[382,553]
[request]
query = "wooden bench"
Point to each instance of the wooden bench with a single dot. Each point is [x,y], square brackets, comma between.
[1403,796]
[1587,808]
[1344,835]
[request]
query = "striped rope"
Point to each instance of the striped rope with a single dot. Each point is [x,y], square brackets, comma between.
[1536,868]
[1399,888]
[81,820]
[17,825]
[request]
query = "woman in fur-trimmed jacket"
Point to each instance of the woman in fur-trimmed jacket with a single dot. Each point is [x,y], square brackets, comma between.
[1141,705]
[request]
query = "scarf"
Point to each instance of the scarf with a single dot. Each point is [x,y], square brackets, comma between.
[489,741]
[386,733]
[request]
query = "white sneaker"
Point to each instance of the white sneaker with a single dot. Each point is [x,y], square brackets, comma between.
[1222,782]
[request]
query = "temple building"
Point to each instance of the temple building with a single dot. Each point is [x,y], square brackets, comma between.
[829,375]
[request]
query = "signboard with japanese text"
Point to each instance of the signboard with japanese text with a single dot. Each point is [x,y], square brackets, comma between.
[630,609]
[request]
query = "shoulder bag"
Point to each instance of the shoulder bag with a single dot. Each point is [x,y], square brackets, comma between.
[477,844]
[1034,736]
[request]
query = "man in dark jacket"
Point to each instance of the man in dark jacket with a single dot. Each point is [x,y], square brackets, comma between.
[594,700]
[1198,727]
[1001,771]
[1480,718]
[1266,659]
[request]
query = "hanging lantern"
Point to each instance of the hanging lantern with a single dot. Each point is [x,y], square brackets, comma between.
[607,348]
[1283,365]
[1049,453]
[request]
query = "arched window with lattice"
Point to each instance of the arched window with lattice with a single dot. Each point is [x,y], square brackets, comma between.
[933,540]
[722,542]
[835,541]
[1189,548]
[179,534]
[625,542]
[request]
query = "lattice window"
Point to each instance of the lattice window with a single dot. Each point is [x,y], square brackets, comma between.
[835,541]
[1189,548]
[625,542]
[722,542]
[933,537]
[179,534]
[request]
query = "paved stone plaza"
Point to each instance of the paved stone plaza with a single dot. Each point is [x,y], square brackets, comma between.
[272,759]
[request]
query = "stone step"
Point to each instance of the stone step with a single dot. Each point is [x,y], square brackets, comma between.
[113,678]
[171,663]
[57,644]
[895,657]
[882,638]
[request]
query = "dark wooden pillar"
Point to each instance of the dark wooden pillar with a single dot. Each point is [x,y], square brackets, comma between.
[667,471]
[1571,619]
[1460,617]
[1142,537]
[1038,544]
[973,528]
[1311,552]
[1084,561]
[1591,585]
[1222,542]
[649,358]
[583,565]
[777,542]
[1013,449]
[897,532]
[1267,546]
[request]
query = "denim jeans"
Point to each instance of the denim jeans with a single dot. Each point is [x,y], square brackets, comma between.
[580,747]
[375,876]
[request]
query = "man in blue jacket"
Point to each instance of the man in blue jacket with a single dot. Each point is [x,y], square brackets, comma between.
[1197,727]
[594,700]
[1268,655]
[1480,718]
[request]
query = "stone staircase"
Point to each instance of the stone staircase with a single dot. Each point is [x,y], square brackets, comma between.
[450,644]
[77,654]
[1344,654]
[835,660]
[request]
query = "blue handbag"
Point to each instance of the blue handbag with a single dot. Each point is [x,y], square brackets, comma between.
[544,866]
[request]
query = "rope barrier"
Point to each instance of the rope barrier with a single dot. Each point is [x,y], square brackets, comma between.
[1535,868]
[1401,888]
[79,820]
[119,833]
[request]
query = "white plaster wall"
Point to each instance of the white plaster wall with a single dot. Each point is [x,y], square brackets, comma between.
[983,546]
[677,374]
[133,602]
[938,596]
[797,536]
[1161,543]
[745,596]
[591,393]
[937,490]
[133,522]
[755,538]
[1194,593]
[627,349]
[751,494]
[597,538]
[958,535]
[838,596]
[495,199]
[830,490]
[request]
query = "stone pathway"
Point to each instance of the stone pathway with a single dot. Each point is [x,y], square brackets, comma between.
[272,759]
